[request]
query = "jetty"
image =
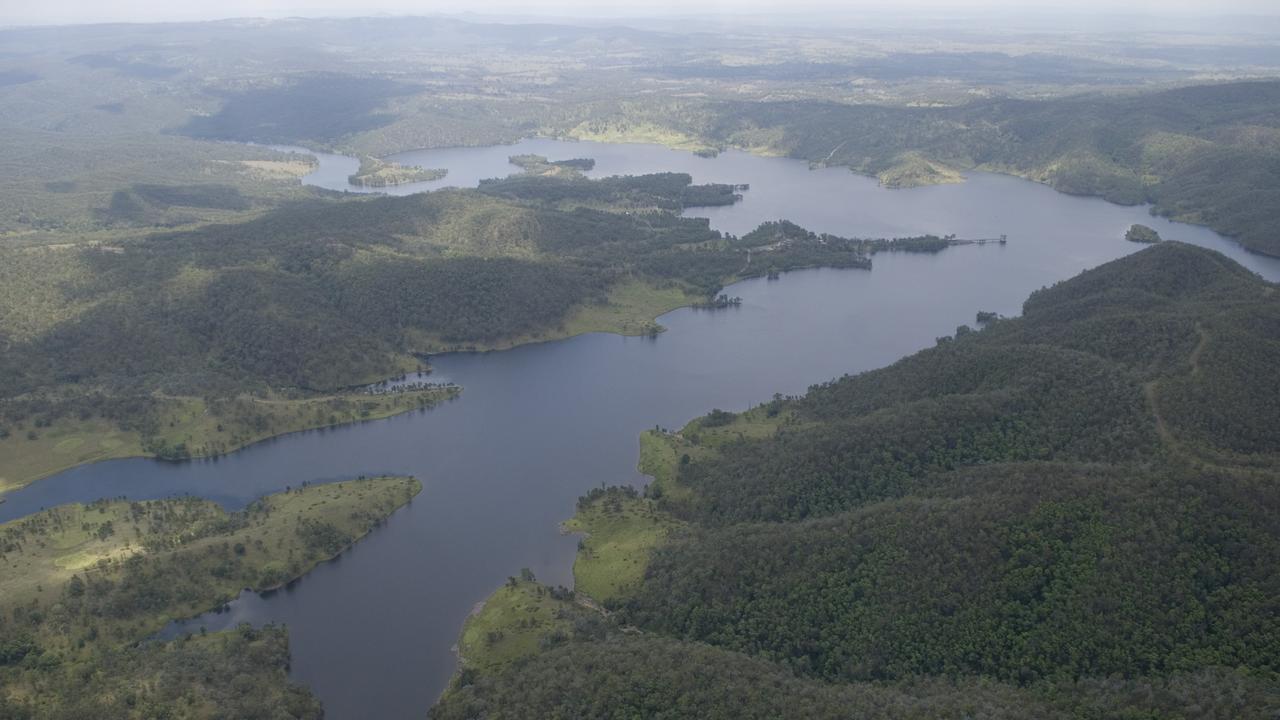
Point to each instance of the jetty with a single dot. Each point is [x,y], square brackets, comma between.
[1002,240]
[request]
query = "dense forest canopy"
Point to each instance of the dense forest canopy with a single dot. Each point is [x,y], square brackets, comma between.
[321,294]
[1042,518]
[310,302]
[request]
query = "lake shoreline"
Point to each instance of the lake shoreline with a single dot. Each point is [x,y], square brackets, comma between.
[543,423]
[694,149]
[427,400]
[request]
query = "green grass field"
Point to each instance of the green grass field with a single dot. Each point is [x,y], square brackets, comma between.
[660,455]
[662,452]
[622,531]
[912,169]
[621,534]
[511,625]
[632,309]
[638,132]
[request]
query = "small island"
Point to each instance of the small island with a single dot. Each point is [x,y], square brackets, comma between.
[540,165]
[375,173]
[1142,234]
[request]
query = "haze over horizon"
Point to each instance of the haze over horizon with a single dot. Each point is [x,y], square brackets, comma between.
[61,12]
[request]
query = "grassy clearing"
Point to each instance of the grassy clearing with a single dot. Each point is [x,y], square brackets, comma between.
[279,169]
[662,452]
[751,424]
[912,169]
[191,425]
[63,445]
[639,132]
[514,623]
[621,534]
[632,309]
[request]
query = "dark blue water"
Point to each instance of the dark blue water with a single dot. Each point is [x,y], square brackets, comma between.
[537,426]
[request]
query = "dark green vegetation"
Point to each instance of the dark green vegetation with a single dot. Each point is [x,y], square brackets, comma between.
[1067,514]
[991,527]
[171,265]
[56,188]
[307,109]
[84,586]
[349,285]
[628,676]
[310,299]
[241,673]
[1142,234]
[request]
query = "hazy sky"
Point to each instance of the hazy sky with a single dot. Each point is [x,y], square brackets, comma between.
[23,12]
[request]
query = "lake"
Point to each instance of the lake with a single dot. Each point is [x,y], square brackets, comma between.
[539,425]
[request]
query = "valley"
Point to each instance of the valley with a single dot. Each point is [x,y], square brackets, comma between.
[803,364]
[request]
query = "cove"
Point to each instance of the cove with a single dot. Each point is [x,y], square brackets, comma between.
[539,425]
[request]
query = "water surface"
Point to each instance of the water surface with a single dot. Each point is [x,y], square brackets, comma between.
[539,425]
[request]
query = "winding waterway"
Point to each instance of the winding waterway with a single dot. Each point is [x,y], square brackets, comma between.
[538,425]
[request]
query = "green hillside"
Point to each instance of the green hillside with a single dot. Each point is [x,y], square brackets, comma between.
[83,588]
[1067,514]
[275,323]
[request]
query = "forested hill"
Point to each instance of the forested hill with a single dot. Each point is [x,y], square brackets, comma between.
[326,293]
[1068,514]
[308,301]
